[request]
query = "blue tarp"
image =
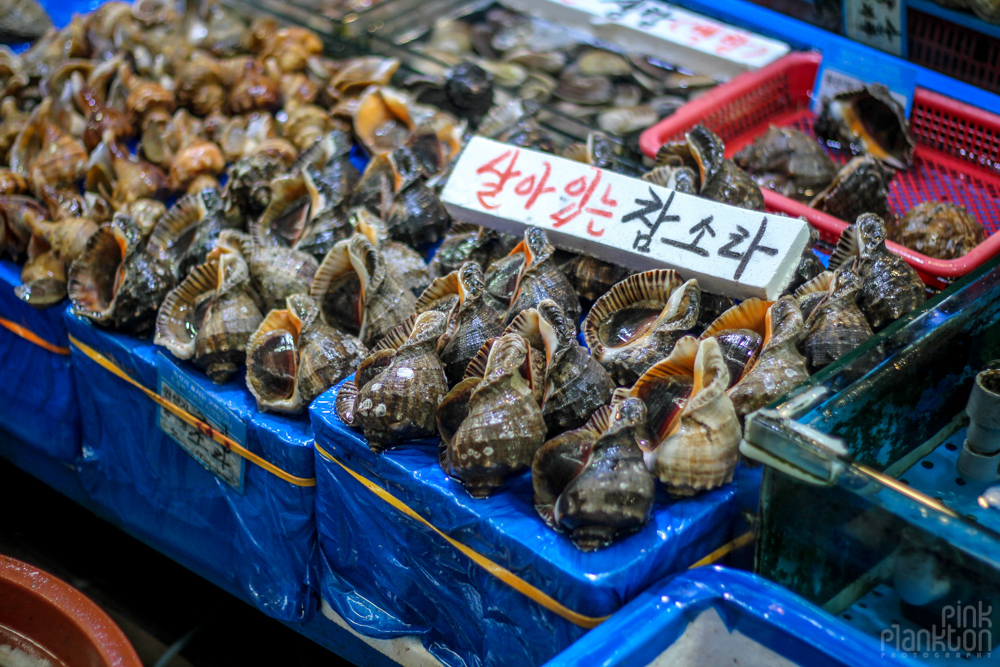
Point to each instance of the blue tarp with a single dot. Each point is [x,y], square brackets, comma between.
[37,402]
[388,575]
[771,615]
[262,541]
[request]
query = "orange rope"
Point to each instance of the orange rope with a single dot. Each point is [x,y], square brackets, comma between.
[32,337]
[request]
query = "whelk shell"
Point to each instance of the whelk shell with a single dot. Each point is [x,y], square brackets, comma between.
[293,357]
[211,315]
[504,426]
[638,322]
[539,278]
[890,287]
[701,452]
[610,492]
[836,325]
[399,403]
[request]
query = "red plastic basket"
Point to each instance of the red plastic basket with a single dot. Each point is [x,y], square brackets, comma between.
[957,158]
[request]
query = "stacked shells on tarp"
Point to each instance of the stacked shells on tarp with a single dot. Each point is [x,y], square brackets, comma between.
[870,124]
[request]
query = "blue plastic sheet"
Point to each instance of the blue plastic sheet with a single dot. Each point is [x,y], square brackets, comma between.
[261,542]
[388,575]
[37,401]
[773,616]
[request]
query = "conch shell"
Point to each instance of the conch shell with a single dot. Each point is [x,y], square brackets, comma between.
[293,357]
[890,287]
[471,320]
[211,315]
[702,450]
[401,387]
[868,120]
[638,321]
[540,278]
[575,383]
[593,482]
[836,325]
[740,331]
[504,426]
[780,367]
[357,293]
[116,282]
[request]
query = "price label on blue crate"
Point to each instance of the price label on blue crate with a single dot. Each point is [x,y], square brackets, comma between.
[183,392]
[850,69]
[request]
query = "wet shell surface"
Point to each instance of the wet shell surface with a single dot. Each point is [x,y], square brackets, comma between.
[789,162]
[540,278]
[211,315]
[595,485]
[890,287]
[780,367]
[861,186]
[740,331]
[115,282]
[357,293]
[575,383]
[836,325]
[702,452]
[399,402]
[868,121]
[504,426]
[471,320]
[637,323]
[293,357]
[938,229]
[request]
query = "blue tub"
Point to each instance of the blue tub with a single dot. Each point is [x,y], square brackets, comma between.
[390,574]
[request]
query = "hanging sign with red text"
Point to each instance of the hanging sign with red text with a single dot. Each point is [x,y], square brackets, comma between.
[624,220]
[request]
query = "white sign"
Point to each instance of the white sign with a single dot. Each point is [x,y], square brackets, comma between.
[626,221]
[877,23]
[187,395]
[683,38]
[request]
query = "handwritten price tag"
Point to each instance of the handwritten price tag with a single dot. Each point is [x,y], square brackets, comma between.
[624,220]
[181,390]
[675,35]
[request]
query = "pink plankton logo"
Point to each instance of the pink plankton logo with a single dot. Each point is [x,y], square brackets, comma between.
[966,631]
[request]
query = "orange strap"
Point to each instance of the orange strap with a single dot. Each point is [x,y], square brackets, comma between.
[32,337]
[187,418]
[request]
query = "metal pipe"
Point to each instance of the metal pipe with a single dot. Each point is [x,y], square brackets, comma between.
[979,459]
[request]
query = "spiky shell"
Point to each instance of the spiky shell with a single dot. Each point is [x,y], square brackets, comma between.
[701,454]
[399,403]
[638,321]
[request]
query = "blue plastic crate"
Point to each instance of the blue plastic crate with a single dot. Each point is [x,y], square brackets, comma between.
[259,540]
[389,573]
[755,622]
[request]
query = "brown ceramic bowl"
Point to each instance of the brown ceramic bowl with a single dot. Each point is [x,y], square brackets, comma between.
[59,619]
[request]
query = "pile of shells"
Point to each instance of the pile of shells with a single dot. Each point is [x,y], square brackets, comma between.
[872,125]
[540,62]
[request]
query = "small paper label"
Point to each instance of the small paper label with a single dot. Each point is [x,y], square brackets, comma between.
[623,220]
[880,24]
[643,19]
[185,394]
